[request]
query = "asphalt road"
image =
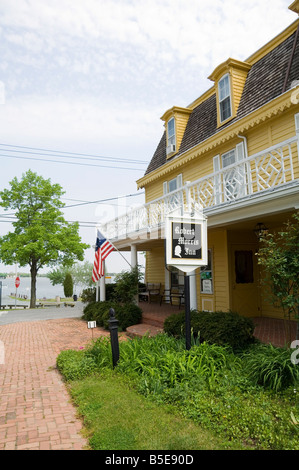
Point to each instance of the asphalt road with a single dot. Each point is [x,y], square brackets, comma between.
[38,314]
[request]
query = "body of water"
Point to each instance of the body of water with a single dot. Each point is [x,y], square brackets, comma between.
[44,289]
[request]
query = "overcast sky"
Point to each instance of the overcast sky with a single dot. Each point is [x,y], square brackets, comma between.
[95,76]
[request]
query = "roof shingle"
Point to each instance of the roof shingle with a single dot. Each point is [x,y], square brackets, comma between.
[264,82]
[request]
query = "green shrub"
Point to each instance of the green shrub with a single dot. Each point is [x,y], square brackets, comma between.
[88,295]
[126,285]
[75,365]
[68,285]
[110,292]
[222,328]
[127,314]
[271,367]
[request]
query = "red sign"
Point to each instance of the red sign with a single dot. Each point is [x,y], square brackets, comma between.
[17,282]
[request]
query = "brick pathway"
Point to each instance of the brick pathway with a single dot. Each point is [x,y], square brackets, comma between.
[35,409]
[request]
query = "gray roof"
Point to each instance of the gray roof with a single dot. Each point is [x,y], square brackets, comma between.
[264,82]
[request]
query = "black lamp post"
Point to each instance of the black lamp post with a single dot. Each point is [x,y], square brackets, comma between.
[113,327]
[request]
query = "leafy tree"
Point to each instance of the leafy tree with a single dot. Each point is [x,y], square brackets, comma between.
[41,236]
[57,275]
[68,285]
[81,274]
[279,256]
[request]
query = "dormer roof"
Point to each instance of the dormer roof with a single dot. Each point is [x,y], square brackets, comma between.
[265,71]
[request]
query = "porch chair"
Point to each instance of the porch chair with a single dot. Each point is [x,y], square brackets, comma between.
[151,290]
[174,293]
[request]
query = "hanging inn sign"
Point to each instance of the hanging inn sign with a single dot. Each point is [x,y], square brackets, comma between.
[186,241]
[186,249]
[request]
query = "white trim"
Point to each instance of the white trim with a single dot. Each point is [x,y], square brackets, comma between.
[165,187]
[226,128]
[217,184]
[146,218]
[229,96]
[174,132]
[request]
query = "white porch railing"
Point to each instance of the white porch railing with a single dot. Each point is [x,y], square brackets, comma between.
[263,171]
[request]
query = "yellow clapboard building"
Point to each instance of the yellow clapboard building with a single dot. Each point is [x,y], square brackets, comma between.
[233,152]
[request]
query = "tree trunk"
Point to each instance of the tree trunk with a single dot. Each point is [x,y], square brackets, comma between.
[33,272]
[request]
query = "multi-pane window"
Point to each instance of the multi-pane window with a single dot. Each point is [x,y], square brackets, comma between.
[171,132]
[172,185]
[224,98]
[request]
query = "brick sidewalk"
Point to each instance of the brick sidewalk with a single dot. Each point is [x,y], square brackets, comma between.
[35,408]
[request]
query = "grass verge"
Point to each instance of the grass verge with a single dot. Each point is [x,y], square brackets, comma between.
[208,387]
[116,417]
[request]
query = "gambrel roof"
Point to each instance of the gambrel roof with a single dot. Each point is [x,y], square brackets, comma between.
[265,81]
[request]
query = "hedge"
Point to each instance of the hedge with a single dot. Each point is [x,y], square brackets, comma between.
[126,314]
[220,328]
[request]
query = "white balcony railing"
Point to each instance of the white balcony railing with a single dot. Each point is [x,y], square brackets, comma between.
[261,172]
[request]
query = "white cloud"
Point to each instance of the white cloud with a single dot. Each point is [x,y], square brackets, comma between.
[189,28]
[34,118]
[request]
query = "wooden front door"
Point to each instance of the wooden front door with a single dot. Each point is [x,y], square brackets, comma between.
[245,281]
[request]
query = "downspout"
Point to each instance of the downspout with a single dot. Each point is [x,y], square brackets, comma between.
[245,144]
[247,165]
[290,61]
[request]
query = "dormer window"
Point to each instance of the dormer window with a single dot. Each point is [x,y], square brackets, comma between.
[170,136]
[225,98]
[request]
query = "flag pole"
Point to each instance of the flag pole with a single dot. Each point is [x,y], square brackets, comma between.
[122,256]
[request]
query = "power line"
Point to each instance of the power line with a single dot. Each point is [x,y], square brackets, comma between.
[100,201]
[75,153]
[84,203]
[71,163]
[108,159]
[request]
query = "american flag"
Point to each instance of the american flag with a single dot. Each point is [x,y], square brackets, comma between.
[102,250]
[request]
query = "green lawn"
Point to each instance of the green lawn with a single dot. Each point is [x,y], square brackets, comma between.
[162,397]
[118,418]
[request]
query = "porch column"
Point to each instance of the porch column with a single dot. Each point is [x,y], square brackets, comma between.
[167,281]
[103,286]
[133,256]
[134,263]
[193,291]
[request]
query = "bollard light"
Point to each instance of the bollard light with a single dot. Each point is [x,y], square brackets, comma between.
[113,327]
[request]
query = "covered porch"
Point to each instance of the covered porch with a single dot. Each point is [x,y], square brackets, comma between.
[267,330]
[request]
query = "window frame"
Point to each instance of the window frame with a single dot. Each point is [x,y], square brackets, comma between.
[171,139]
[228,96]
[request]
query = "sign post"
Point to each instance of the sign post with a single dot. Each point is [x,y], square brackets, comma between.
[17,284]
[91,325]
[187,250]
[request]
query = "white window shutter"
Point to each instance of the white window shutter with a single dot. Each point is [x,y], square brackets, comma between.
[297,123]
[179,180]
[241,178]
[240,152]
[216,163]
[165,187]
[217,180]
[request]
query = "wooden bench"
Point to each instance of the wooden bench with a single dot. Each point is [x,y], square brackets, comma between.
[151,290]
[175,293]
[16,306]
